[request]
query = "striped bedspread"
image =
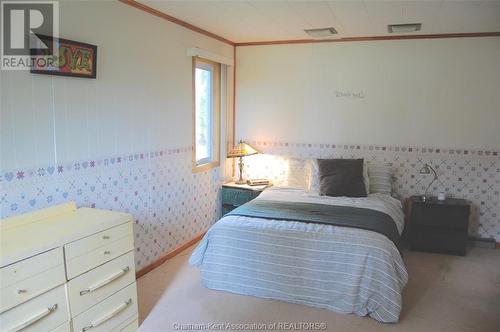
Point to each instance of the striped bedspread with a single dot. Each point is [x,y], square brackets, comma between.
[347,270]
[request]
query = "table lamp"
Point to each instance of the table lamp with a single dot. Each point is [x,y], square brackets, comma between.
[241,150]
[427,169]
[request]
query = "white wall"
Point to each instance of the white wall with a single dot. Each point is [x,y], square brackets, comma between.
[140,101]
[120,142]
[442,92]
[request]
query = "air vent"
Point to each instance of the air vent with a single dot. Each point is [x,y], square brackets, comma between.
[404,28]
[321,33]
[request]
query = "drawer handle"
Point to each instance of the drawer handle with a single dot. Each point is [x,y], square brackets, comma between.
[107,252]
[34,319]
[105,237]
[108,316]
[104,282]
[21,291]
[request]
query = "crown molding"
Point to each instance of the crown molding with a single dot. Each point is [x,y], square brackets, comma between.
[371,38]
[177,21]
[194,28]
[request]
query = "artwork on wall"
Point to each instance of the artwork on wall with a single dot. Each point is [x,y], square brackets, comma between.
[69,58]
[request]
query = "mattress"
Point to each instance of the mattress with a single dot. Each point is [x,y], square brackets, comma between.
[344,269]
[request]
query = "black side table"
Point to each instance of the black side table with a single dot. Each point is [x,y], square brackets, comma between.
[438,226]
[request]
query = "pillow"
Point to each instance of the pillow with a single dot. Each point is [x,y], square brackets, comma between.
[314,176]
[366,179]
[341,177]
[380,178]
[298,174]
[314,181]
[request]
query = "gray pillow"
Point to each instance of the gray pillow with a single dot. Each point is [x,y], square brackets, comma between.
[380,178]
[341,177]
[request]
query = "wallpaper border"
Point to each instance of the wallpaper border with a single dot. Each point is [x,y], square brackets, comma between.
[382,148]
[25,173]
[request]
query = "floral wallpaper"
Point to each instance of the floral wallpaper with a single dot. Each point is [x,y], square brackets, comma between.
[472,174]
[170,203]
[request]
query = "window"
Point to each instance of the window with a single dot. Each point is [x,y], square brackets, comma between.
[206,83]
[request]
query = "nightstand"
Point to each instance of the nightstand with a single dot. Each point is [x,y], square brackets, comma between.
[234,195]
[438,226]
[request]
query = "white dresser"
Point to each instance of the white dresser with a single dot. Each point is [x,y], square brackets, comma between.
[68,269]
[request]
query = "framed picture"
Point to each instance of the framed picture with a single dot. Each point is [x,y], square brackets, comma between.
[69,58]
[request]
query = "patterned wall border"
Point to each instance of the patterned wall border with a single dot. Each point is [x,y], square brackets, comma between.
[81,165]
[170,204]
[383,148]
[472,174]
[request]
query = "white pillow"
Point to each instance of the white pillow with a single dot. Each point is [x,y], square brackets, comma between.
[298,174]
[380,178]
[366,179]
[315,176]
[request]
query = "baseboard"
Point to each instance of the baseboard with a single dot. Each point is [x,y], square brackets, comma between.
[178,250]
[163,259]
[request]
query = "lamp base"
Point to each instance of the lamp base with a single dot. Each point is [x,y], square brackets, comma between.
[240,179]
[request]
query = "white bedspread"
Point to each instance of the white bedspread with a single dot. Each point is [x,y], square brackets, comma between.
[347,270]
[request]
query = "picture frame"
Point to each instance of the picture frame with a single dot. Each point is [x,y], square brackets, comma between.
[70,58]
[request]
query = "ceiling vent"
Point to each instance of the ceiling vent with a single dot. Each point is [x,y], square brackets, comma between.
[404,28]
[321,33]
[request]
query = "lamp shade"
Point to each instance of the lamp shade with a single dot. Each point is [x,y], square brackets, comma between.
[242,149]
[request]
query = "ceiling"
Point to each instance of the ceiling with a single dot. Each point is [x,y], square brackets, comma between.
[249,21]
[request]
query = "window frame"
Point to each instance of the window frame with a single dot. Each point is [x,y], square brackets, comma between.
[216,110]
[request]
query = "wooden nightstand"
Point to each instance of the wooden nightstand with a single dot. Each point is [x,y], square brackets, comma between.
[234,195]
[438,226]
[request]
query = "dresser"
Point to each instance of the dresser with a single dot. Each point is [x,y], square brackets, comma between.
[68,269]
[438,226]
[234,195]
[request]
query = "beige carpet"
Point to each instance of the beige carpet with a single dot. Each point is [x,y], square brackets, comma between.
[445,293]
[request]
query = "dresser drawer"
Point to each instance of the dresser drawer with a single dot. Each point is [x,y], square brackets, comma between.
[31,277]
[96,285]
[43,313]
[109,314]
[443,216]
[130,325]
[238,197]
[66,327]
[87,253]
[438,240]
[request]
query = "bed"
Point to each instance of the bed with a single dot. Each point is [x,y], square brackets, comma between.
[344,269]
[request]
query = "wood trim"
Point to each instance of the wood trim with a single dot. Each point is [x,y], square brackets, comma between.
[371,38]
[216,83]
[177,21]
[234,99]
[170,255]
[178,250]
[205,167]
[194,28]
